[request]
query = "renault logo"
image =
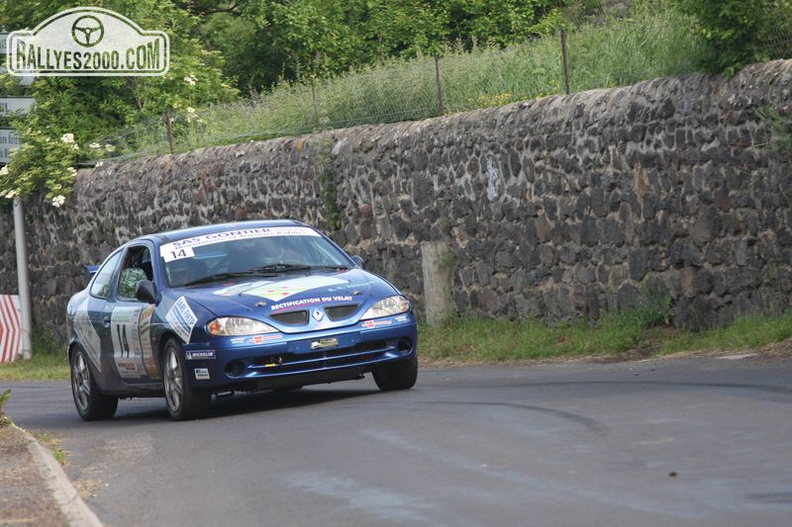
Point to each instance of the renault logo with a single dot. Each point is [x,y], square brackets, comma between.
[317,315]
[324,344]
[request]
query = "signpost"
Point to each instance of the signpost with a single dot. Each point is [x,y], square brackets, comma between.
[16,323]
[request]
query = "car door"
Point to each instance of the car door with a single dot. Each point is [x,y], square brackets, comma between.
[128,322]
[90,320]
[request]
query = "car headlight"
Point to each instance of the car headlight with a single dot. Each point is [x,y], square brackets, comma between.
[393,305]
[236,326]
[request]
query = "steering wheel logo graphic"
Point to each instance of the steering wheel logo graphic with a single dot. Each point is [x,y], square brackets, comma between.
[87,31]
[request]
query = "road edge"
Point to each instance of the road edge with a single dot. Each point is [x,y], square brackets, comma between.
[66,496]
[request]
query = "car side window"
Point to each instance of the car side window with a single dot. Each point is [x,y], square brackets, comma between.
[137,267]
[101,285]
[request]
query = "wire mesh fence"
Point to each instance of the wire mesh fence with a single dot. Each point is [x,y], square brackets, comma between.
[776,34]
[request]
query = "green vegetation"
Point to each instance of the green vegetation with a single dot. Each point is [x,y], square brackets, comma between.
[638,333]
[745,333]
[4,421]
[42,367]
[48,361]
[781,126]
[737,32]
[650,44]
[53,444]
[257,69]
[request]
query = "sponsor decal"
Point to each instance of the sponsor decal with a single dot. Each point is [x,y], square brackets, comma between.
[324,343]
[130,331]
[183,248]
[371,324]
[238,340]
[310,302]
[200,354]
[127,348]
[402,319]
[261,339]
[201,374]
[149,361]
[88,42]
[87,334]
[279,290]
[181,319]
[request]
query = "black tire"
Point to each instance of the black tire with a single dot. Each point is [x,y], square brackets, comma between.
[91,404]
[397,375]
[184,402]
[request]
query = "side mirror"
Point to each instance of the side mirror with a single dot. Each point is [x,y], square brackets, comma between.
[359,261]
[146,291]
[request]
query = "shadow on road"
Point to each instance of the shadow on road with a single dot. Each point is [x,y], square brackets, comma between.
[154,409]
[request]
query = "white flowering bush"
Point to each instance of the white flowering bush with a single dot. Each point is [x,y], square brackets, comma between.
[43,164]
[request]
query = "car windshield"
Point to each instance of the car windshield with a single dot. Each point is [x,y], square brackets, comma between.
[263,251]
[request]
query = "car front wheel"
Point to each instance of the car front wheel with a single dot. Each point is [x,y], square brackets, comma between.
[91,404]
[183,401]
[397,375]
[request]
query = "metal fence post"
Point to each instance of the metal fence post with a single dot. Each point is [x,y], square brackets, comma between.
[22,278]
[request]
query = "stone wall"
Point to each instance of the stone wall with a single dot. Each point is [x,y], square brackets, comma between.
[567,206]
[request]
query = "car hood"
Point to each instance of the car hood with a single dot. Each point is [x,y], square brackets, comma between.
[289,291]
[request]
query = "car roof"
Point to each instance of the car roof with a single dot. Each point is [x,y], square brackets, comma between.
[178,234]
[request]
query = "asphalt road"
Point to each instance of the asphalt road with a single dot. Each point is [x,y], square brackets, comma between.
[652,443]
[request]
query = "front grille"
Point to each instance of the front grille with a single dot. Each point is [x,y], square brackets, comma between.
[341,312]
[295,362]
[291,318]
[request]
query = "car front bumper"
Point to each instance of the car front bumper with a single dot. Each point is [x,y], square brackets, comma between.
[282,360]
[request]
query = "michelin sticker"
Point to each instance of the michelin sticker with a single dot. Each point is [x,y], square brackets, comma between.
[184,248]
[87,334]
[181,319]
[200,355]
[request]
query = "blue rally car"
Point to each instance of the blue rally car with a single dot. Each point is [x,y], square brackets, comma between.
[258,305]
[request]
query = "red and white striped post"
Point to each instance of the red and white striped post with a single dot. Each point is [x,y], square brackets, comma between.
[10,328]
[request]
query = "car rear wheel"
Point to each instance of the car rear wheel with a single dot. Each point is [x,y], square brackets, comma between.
[397,375]
[183,401]
[90,403]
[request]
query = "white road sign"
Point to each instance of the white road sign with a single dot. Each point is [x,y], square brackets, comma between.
[9,105]
[9,140]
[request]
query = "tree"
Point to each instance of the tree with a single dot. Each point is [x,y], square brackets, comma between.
[72,112]
[731,28]
[267,41]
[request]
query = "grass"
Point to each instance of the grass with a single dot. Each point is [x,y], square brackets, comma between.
[637,333]
[41,367]
[48,362]
[745,333]
[655,41]
[4,421]
[54,444]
